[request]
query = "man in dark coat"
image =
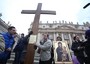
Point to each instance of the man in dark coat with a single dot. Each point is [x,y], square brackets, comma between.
[18,49]
[78,49]
[24,49]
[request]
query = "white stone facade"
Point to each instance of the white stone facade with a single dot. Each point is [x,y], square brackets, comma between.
[3,26]
[65,30]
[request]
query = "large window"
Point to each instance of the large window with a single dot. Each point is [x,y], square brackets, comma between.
[66,36]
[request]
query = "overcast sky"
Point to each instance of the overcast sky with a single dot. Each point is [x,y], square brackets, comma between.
[68,10]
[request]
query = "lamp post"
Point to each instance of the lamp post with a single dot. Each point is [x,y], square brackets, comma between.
[86,5]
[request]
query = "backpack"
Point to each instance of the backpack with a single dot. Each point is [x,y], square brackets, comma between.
[2,43]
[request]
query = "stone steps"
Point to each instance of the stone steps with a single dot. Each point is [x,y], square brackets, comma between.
[36,58]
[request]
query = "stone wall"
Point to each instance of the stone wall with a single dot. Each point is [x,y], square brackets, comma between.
[3,26]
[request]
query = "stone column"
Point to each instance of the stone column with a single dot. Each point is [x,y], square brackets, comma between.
[70,39]
[54,36]
[62,37]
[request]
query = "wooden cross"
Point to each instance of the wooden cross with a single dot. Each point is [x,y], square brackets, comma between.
[30,49]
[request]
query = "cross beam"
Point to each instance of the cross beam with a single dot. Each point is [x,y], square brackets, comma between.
[30,49]
[42,12]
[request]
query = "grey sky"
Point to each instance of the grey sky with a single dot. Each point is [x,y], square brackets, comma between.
[68,10]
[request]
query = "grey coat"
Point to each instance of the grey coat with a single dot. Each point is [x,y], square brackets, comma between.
[45,53]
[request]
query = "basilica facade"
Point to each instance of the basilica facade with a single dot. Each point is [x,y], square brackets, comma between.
[62,30]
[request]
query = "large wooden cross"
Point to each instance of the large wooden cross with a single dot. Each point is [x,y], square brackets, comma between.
[30,49]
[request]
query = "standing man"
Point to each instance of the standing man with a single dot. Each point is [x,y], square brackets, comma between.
[24,47]
[45,52]
[78,49]
[18,50]
[9,41]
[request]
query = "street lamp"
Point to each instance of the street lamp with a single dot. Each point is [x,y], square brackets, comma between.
[86,5]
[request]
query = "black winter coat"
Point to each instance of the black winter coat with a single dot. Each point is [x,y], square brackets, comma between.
[87,48]
[77,52]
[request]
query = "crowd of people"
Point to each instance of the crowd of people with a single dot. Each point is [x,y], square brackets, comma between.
[45,48]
